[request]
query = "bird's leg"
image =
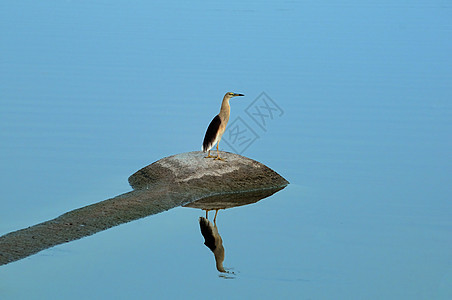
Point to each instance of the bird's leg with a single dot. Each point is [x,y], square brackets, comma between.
[208,155]
[215,218]
[218,153]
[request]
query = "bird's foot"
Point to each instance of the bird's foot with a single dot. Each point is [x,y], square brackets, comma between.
[219,158]
[210,156]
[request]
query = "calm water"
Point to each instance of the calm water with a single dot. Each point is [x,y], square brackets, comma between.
[92,92]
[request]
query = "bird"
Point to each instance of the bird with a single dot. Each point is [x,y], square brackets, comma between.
[213,241]
[218,126]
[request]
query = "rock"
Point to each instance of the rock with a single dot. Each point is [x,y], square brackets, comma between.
[165,184]
[191,170]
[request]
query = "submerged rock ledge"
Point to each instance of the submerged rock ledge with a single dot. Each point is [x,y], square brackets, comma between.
[170,182]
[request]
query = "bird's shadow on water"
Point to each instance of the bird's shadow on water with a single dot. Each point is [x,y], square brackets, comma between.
[209,229]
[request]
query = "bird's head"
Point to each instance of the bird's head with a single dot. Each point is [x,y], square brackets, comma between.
[231,94]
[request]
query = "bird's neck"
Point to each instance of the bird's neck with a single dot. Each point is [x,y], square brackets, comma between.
[220,267]
[219,251]
[219,258]
[225,110]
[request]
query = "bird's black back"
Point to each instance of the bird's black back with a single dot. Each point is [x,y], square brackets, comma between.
[211,133]
[207,233]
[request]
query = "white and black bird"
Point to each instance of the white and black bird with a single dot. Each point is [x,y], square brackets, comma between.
[218,126]
[213,241]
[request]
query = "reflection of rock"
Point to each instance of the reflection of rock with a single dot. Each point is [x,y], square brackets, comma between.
[236,174]
[209,230]
[224,201]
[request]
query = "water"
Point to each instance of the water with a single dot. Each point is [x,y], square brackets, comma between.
[92,92]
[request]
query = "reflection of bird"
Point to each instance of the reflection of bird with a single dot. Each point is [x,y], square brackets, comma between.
[218,126]
[213,241]
[214,218]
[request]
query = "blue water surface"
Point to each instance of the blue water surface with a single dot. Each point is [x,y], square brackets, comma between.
[92,91]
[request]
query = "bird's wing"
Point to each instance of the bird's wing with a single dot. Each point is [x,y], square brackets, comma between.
[207,233]
[211,134]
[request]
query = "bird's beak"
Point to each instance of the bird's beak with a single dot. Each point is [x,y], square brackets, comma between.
[238,95]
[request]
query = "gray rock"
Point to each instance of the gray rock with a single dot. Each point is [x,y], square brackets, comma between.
[235,174]
[165,184]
